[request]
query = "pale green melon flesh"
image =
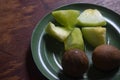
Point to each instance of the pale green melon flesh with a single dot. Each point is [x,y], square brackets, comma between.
[91,17]
[67,18]
[74,40]
[95,36]
[59,33]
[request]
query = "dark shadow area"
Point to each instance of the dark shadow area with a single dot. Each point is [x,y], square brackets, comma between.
[63,76]
[33,71]
[88,46]
[92,74]
[56,23]
[96,74]
[53,45]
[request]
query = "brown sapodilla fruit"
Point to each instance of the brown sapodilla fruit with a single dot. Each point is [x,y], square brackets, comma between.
[75,63]
[106,57]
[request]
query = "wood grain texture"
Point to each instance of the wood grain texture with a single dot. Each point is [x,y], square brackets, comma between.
[17,21]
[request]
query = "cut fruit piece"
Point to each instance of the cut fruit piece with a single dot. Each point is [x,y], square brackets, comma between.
[75,63]
[74,40]
[59,33]
[91,17]
[106,58]
[67,18]
[94,35]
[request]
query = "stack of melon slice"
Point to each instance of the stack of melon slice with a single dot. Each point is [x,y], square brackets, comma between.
[90,23]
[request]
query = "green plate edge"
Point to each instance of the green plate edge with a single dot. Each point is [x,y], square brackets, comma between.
[37,42]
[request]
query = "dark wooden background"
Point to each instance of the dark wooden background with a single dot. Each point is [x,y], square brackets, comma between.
[17,21]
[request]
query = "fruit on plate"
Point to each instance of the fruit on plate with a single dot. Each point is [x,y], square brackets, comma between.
[58,33]
[74,40]
[91,17]
[75,63]
[106,57]
[67,18]
[95,36]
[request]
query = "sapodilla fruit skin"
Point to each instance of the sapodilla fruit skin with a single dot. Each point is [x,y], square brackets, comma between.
[106,57]
[75,63]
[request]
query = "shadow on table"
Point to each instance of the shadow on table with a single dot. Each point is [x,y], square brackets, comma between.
[33,71]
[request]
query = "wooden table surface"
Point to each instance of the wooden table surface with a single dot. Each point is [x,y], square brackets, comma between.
[17,21]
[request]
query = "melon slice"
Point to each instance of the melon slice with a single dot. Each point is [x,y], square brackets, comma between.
[91,17]
[59,33]
[95,36]
[74,40]
[67,18]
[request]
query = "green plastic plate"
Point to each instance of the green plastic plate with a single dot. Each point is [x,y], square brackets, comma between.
[47,52]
